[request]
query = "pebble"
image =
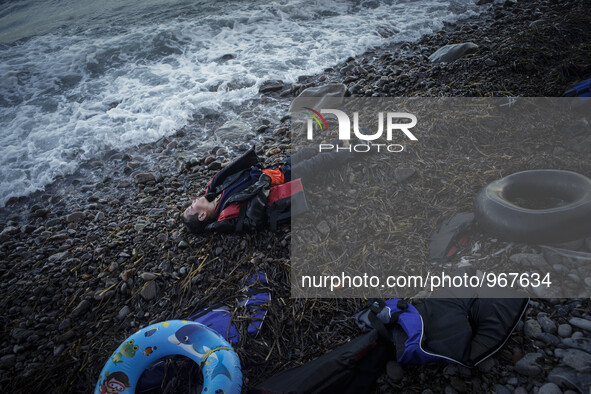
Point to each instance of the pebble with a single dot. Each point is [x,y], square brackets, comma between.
[65,324]
[147,276]
[546,323]
[531,260]
[577,334]
[578,343]
[123,312]
[271,86]
[452,52]
[323,227]
[577,359]
[214,165]
[532,328]
[562,376]
[149,291]
[550,388]
[402,174]
[58,349]
[82,306]
[548,339]
[183,245]
[162,237]
[99,216]
[528,364]
[565,330]
[123,184]
[56,257]
[144,177]
[75,217]
[501,389]
[394,371]
[7,361]
[583,324]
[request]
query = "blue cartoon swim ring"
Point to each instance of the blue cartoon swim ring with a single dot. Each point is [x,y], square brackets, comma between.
[219,363]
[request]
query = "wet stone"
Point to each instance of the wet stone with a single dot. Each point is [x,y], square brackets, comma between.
[583,324]
[394,371]
[532,328]
[144,177]
[75,217]
[500,389]
[147,276]
[82,307]
[402,174]
[452,52]
[123,184]
[58,349]
[7,361]
[214,165]
[528,365]
[565,330]
[546,323]
[550,388]
[123,312]
[271,86]
[323,227]
[65,324]
[162,237]
[577,359]
[149,291]
[548,339]
[578,343]
[563,376]
[577,335]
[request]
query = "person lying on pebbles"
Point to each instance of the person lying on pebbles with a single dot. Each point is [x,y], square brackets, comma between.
[236,198]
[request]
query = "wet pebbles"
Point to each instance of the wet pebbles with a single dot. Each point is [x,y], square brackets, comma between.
[102,253]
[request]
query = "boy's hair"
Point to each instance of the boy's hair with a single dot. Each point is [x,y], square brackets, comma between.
[195,225]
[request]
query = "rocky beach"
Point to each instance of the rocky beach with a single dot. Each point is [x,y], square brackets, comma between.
[102,253]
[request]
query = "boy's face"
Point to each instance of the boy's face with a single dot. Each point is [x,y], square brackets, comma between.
[201,208]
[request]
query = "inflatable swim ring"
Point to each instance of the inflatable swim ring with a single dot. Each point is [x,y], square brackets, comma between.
[219,363]
[559,207]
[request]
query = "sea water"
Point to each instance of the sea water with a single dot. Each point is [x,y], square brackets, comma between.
[81,76]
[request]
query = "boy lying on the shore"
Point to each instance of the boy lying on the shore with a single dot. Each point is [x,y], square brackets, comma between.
[242,197]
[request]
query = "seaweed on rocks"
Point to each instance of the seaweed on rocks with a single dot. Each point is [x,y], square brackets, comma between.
[72,290]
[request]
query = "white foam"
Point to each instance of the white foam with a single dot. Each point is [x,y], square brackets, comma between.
[73,91]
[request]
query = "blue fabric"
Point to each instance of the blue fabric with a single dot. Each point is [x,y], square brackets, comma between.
[220,318]
[239,185]
[251,302]
[410,321]
[583,88]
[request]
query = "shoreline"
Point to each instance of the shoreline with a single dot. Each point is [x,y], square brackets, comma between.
[74,268]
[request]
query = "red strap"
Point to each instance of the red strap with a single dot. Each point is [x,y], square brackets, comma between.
[276,193]
[283,191]
[230,212]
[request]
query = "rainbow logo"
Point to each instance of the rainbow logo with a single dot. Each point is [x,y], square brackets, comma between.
[317,115]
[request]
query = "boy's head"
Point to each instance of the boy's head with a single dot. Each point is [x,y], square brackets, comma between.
[199,215]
